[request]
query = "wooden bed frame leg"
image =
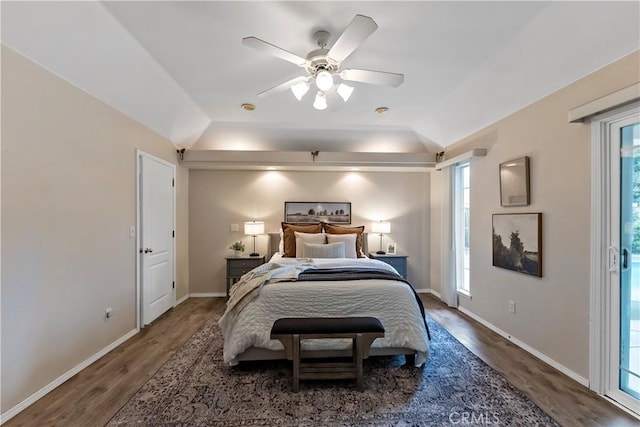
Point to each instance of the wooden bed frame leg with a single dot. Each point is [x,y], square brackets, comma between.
[410,359]
[296,363]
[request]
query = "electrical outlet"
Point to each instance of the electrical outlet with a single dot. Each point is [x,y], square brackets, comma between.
[108,313]
[512,306]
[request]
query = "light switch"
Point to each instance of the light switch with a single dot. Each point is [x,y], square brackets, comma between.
[234,227]
[132,231]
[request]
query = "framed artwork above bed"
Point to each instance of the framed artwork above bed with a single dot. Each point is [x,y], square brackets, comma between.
[315,212]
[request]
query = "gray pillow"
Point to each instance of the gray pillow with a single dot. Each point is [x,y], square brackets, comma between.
[331,250]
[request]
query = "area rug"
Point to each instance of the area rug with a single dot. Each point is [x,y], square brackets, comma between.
[196,388]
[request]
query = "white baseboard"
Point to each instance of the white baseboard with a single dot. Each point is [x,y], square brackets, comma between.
[181,300]
[428,291]
[434,293]
[568,372]
[62,378]
[208,295]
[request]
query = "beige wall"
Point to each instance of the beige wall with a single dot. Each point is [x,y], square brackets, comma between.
[182,236]
[552,312]
[220,198]
[68,200]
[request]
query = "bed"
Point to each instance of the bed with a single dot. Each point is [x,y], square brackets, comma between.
[384,296]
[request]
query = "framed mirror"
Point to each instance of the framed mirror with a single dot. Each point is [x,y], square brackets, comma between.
[514,182]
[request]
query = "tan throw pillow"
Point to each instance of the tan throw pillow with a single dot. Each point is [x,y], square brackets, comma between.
[336,229]
[288,231]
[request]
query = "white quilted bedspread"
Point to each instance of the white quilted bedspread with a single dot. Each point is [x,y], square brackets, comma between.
[392,302]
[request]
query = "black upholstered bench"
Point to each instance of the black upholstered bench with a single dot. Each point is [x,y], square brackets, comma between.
[362,330]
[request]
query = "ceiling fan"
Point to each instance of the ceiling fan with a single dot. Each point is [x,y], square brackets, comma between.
[323,66]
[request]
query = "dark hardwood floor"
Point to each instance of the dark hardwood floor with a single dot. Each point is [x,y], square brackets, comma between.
[94,395]
[568,402]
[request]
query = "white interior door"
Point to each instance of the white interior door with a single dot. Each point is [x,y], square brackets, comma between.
[157,237]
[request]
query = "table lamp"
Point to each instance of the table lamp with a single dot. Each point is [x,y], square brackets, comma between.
[253,228]
[381,227]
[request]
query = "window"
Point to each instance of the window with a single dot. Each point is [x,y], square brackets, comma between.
[461,227]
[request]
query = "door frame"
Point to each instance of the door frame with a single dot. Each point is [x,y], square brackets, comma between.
[602,258]
[138,254]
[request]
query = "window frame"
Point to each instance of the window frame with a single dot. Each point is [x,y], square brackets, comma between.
[462,227]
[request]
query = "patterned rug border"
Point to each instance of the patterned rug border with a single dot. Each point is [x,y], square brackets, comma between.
[181,392]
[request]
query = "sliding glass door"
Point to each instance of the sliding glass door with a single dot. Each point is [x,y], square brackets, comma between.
[624,340]
[629,369]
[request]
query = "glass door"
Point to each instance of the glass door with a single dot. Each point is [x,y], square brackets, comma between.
[624,297]
[629,369]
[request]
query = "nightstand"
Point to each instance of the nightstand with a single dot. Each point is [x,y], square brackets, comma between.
[399,262]
[239,265]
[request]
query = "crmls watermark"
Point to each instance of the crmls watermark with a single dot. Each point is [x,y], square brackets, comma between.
[474,418]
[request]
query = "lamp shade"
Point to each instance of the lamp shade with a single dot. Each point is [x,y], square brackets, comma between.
[320,102]
[300,89]
[344,91]
[381,227]
[252,228]
[324,80]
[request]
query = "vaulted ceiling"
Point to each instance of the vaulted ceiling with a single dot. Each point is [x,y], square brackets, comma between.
[181,69]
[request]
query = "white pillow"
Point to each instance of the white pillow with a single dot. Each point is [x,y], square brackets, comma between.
[349,241]
[281,245]
[302,238]
[331,250]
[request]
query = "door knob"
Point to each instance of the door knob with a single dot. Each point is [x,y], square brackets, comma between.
[148,250]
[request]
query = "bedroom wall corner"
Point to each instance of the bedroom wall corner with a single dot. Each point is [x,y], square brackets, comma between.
[436,230]
[182,233]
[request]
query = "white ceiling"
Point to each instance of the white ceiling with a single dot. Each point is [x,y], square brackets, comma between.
[180,67]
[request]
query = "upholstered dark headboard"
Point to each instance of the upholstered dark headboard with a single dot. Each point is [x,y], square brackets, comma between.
[274,242]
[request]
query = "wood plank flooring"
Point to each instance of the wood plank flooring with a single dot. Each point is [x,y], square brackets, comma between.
[568,402]
[93,396]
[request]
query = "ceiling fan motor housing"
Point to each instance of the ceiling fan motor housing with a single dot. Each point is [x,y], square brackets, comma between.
[318,61]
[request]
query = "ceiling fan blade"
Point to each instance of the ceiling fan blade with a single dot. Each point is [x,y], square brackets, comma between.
[283,86]
[356,32]
[373,77]
[274,50]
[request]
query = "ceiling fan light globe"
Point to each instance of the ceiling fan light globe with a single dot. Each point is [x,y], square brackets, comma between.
[324,80]
[320,103]
[344,91]
[300,89]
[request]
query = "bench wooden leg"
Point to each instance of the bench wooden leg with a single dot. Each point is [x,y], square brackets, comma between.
[360,346]
[296,362]
[359,352]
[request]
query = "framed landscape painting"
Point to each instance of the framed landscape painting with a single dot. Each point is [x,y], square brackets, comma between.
[517,242]
[313,212]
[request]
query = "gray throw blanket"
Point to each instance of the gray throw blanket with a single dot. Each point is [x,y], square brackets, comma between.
[249,285]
